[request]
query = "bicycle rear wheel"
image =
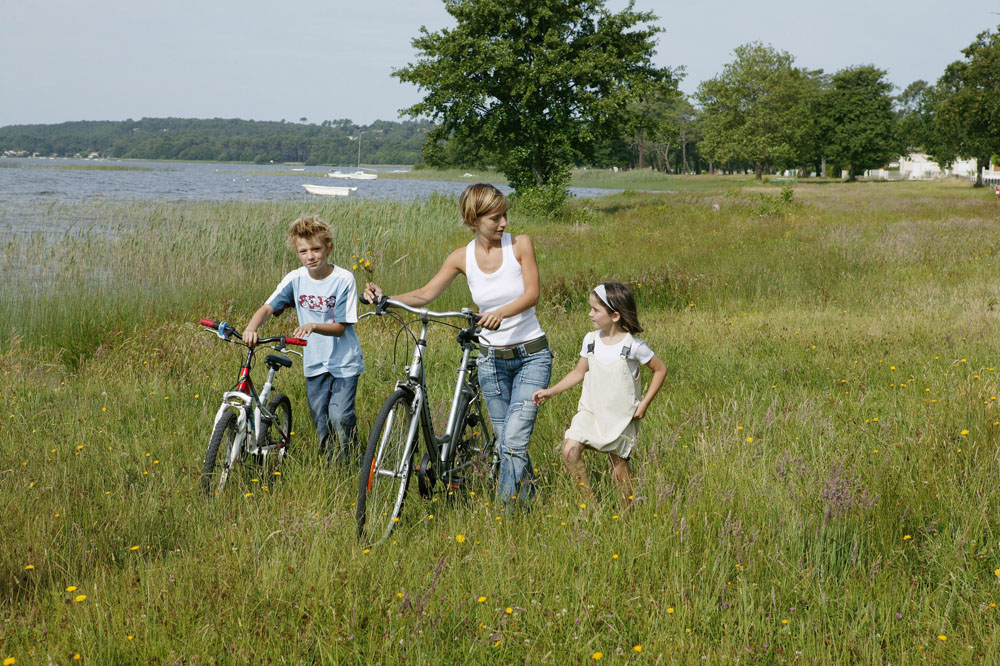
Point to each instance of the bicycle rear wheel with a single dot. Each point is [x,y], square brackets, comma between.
[385,468]
[216,470]
[476,462]
[275,436]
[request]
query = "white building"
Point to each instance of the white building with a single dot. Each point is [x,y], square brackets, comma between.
[918,166]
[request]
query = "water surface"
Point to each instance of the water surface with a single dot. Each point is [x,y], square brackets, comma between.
[30,187]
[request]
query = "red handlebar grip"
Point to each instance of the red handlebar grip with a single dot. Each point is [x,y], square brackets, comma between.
[209,323]
[296,341]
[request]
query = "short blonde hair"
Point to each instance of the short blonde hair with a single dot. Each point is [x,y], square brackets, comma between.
[310,227]
[478,200]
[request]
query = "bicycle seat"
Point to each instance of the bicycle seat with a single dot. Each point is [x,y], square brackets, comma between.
[274,360]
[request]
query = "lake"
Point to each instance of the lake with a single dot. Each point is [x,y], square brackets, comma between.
[30,187]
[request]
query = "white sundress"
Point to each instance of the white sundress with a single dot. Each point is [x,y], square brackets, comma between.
[604,420]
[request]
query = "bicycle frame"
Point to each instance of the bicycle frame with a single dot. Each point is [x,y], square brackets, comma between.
[242,400]
[441,448]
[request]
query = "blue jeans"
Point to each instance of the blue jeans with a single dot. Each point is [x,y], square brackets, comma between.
[331,404]
[508,385]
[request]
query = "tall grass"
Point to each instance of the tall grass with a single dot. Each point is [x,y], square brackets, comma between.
[818,475]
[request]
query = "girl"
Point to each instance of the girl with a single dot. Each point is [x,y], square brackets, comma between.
[610,408]
[514,357]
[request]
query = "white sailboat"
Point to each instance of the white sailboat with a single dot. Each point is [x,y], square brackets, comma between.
[360,174]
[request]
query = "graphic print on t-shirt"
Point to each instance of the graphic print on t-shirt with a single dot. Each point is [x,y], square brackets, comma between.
[317,303]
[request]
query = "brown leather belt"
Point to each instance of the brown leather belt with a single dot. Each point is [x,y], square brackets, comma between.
[516,351]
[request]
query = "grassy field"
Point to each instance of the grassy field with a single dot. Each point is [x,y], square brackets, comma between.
[818,475]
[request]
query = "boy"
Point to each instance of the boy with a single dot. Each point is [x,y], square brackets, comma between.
[325,299]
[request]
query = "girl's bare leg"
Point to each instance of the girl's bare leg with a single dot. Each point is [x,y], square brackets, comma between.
[619,472]
[572,452]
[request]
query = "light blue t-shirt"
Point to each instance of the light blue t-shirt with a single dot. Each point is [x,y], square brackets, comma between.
[334,299]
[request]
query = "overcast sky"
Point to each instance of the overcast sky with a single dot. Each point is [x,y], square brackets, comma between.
[66,60]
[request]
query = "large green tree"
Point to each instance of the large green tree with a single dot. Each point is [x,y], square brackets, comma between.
[755,110]
[536,82]
[967,105]
[863,132]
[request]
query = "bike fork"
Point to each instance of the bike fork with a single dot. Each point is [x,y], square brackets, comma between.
[241,435]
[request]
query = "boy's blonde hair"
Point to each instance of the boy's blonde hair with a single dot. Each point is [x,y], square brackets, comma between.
[478,200]
[309,227]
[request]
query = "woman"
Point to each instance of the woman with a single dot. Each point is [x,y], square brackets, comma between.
[514,359]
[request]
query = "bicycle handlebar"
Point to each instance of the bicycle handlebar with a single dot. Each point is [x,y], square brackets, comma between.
[225,329]
[386,302]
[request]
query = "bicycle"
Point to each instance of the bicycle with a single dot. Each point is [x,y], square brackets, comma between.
[466,450]
[243,427]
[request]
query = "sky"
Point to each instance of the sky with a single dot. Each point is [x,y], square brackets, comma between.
[63,60]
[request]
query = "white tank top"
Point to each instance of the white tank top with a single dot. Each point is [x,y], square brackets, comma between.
[503,286]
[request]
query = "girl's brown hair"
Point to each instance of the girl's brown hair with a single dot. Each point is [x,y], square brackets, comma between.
[621,301]
[309,227]
[478,200]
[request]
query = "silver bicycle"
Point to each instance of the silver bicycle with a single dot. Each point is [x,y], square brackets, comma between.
[463,456]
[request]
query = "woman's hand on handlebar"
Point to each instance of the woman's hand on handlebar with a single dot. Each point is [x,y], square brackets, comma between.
[250,338]
[373,293]
[490,320]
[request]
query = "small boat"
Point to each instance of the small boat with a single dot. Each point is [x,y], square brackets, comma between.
[329,190]
[354,175]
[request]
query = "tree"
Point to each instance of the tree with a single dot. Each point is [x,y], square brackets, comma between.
[675,130]
[966,105]
[652,124]
[915,122]
[863,132]
[535,82]
[754,111]
[816,127]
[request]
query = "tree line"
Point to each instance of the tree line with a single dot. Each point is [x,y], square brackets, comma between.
[763,114]
[538,87]
[332,142]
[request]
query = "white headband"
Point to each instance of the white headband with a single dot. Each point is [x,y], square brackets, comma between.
[602,294]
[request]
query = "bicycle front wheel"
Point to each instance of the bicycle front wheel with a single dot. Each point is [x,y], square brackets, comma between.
[385,468]
[216,470]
